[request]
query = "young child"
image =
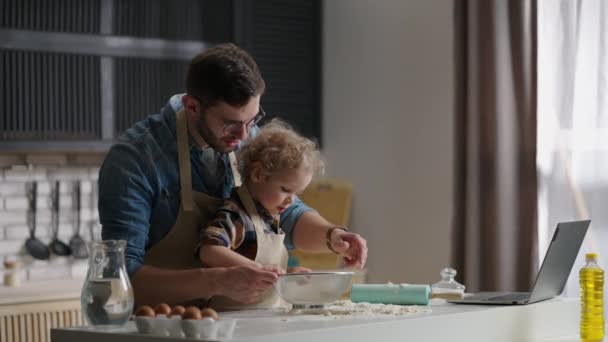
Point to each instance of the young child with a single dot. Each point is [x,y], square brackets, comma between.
[275,166]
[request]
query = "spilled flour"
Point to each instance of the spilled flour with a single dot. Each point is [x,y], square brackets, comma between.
[346,309]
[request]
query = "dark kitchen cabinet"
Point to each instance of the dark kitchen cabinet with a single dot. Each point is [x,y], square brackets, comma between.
[78,73]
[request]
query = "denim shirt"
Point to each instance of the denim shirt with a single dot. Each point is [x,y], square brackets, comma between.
[139,186]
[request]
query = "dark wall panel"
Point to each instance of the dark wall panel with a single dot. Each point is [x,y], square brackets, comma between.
[209,20]
[142,87]
[49,96]
[75,16]
[284,38]
[50,92]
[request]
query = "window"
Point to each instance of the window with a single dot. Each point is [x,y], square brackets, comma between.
[572,149]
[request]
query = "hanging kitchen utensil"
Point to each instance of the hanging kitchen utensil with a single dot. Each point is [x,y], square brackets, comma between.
[57,247]
[33,245]
[77,243]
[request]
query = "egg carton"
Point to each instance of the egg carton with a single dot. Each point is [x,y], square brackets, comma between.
[203,329]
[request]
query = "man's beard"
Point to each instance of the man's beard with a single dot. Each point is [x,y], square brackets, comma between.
[208,136]
[211,139]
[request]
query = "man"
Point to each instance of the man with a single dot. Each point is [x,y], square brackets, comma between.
[167,174]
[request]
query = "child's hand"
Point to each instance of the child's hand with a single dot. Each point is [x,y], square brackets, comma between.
[299,269]
[273,268]
[350,245]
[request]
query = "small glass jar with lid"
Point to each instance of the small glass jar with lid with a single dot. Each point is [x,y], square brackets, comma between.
[447,287]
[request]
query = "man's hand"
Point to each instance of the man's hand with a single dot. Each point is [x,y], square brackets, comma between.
[246,284]
[350,245]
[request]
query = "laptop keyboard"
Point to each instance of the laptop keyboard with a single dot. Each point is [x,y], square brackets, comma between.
[510,297]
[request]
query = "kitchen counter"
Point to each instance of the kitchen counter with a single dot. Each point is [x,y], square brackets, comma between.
[29,312]
[552,320]
[49,290]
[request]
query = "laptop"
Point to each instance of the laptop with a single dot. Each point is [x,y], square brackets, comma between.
[551,279]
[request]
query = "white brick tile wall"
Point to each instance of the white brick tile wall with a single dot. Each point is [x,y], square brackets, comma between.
[88,214]
[65,235]
[48,272]
[16,202]
[64,186]
[79,269]
[43,217]
[69,173]
[66,227]
[12,188]
[86,187]
[13,217]
[44,189]
[13,209]
[11,247]
[24,174]
[19,232]
[94,174]
[59,261]
[65,202]
[38,263]
[42,202]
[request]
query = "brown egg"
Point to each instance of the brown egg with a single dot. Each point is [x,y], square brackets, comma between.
[162,309]
[145,311]
[177,310]
[209,313]
[192,312]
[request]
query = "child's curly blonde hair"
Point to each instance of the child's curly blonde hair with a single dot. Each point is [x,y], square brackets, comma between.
[278,147]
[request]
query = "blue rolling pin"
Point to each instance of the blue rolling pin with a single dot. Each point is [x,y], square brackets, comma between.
[403,294]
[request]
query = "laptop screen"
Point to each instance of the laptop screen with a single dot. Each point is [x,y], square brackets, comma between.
[561,255]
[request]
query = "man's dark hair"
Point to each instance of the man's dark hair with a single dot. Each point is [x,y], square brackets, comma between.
[224,72]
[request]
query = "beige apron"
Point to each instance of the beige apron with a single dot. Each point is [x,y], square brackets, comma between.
[176,249]
[271,251]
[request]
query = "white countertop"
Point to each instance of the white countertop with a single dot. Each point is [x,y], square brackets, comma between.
[39,291]
[555,320]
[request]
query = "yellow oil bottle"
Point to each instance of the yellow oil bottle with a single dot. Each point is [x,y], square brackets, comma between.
[591,278]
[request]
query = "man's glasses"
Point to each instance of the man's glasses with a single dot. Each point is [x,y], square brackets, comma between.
[234,127]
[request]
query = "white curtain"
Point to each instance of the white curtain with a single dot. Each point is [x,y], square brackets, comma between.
[572,155]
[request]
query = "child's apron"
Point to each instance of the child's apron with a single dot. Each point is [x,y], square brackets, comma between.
[270,251]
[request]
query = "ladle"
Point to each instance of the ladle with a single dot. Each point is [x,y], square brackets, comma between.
[33,245]
[57,247]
